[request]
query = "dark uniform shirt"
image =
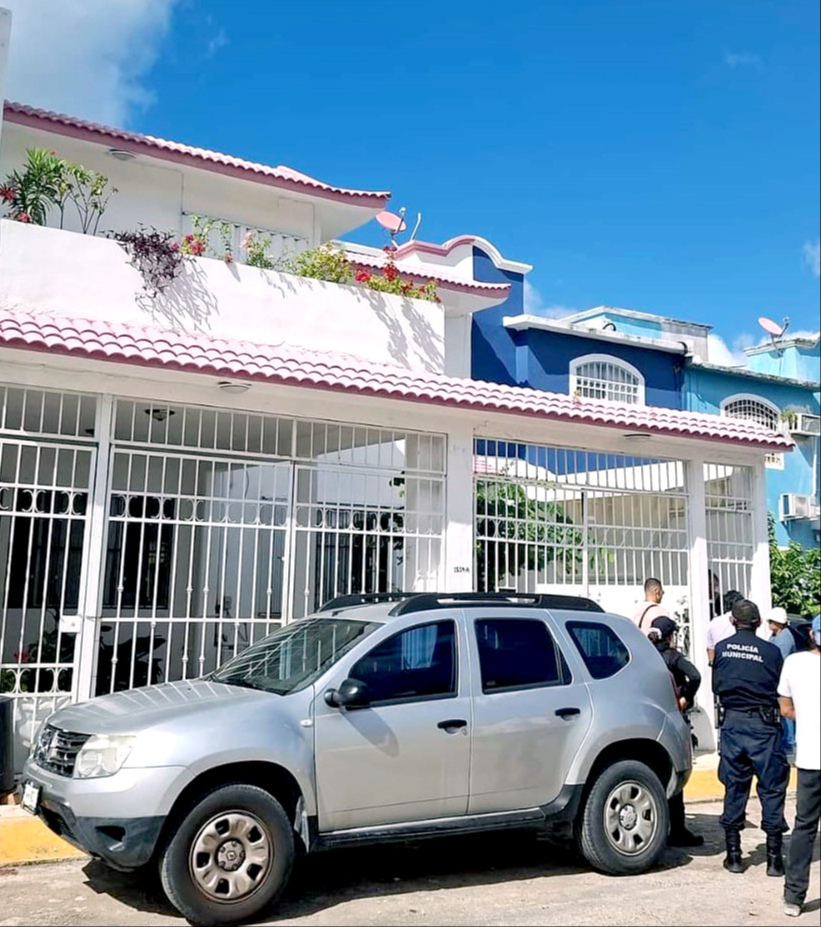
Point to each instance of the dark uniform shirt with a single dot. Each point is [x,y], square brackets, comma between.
[687,677]
[746,671]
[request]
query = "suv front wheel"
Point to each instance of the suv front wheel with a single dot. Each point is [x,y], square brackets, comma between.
[230,857]
[623,826]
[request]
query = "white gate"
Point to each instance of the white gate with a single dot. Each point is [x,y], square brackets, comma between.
[554,519]
[194,567]
[222,525]
[728,494]
[45,482]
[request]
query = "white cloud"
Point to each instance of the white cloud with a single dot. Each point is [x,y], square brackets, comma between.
[724,356]
[534,304]
[812,256]
[220,40]
[742,59]
[86,58]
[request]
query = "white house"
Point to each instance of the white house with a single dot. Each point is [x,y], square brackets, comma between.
[181,472]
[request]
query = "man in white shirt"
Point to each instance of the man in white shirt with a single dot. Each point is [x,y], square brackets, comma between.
[722,627]
[651,607]
[799,693]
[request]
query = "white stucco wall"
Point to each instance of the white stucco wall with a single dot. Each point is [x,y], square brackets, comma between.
[69,274]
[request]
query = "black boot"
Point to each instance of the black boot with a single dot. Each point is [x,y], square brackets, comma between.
[775,861]
[732,863]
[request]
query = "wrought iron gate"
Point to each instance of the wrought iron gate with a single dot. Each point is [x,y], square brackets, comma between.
[555,519]
[222,525]
[44,512]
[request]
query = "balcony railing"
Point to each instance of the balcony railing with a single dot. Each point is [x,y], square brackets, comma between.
[282,245]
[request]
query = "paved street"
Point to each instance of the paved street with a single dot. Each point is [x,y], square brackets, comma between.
[510,879]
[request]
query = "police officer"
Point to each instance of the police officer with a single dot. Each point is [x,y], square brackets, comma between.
[745,679]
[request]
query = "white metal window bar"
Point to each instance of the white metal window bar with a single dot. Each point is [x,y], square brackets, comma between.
[730,528]
[756,410]
[600,376]
[42,412]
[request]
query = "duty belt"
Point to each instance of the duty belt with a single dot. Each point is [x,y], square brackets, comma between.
[769,714]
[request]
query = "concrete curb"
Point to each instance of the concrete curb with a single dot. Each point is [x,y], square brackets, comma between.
[24,839]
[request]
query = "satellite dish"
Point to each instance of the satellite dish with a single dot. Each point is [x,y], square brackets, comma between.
[773,329]
[391,222]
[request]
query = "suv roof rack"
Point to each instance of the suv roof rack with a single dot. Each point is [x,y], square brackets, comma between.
[427,601]
[362,598]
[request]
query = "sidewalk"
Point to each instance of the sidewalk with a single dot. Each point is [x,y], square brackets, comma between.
[25,839]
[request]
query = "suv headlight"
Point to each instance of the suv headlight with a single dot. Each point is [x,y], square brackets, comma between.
[103,755]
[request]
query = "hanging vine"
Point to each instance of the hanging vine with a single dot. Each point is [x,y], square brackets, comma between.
[156,255]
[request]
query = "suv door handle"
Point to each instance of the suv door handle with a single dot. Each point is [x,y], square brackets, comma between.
[453,725]
[568,712]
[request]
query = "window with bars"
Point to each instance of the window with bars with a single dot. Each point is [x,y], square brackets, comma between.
[601,376]
[759,411]
[41,412]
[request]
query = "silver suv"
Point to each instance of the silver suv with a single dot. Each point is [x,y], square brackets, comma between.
[419,716]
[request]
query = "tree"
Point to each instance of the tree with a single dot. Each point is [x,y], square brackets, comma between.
[795,575]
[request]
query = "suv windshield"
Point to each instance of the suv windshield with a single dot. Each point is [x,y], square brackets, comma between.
[293,656]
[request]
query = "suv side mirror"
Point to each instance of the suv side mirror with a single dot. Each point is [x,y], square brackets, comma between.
[351,694]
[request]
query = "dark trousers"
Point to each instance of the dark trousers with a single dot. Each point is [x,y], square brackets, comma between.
[807,813]
[751,746]
[676,806]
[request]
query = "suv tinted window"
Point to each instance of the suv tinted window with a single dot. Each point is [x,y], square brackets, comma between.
[601,648]
[516,654]
[417,663]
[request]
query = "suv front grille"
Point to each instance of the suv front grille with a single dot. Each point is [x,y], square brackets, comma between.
[57,750]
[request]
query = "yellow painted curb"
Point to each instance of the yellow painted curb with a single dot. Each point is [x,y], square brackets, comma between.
[25,839]
[704,785]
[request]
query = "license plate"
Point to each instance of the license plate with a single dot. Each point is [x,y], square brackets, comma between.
[31,797]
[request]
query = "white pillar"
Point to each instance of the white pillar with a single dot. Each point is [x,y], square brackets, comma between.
[760,588]
[93,556]
[457,344]
[699,593]
[459,512]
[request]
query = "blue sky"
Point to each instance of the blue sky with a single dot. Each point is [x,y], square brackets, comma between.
[659,156]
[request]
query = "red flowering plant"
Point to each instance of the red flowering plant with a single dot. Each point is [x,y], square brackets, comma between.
[195,242]
[389,280]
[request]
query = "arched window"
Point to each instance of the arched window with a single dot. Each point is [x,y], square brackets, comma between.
[755,409]
[602,376]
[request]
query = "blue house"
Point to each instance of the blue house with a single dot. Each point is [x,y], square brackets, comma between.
[779,387]
[621,355]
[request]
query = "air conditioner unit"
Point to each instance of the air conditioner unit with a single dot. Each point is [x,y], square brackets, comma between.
[794,505]
[806,425]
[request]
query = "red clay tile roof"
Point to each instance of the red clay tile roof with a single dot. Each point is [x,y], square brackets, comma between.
[280,176]
[429,272]
[291,366]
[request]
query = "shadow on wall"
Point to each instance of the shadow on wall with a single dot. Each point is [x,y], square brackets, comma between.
[191,304]
[428,346]
[426,337]
[187,305]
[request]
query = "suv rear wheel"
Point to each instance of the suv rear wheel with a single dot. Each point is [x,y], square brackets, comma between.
[623,826]
[230,857]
